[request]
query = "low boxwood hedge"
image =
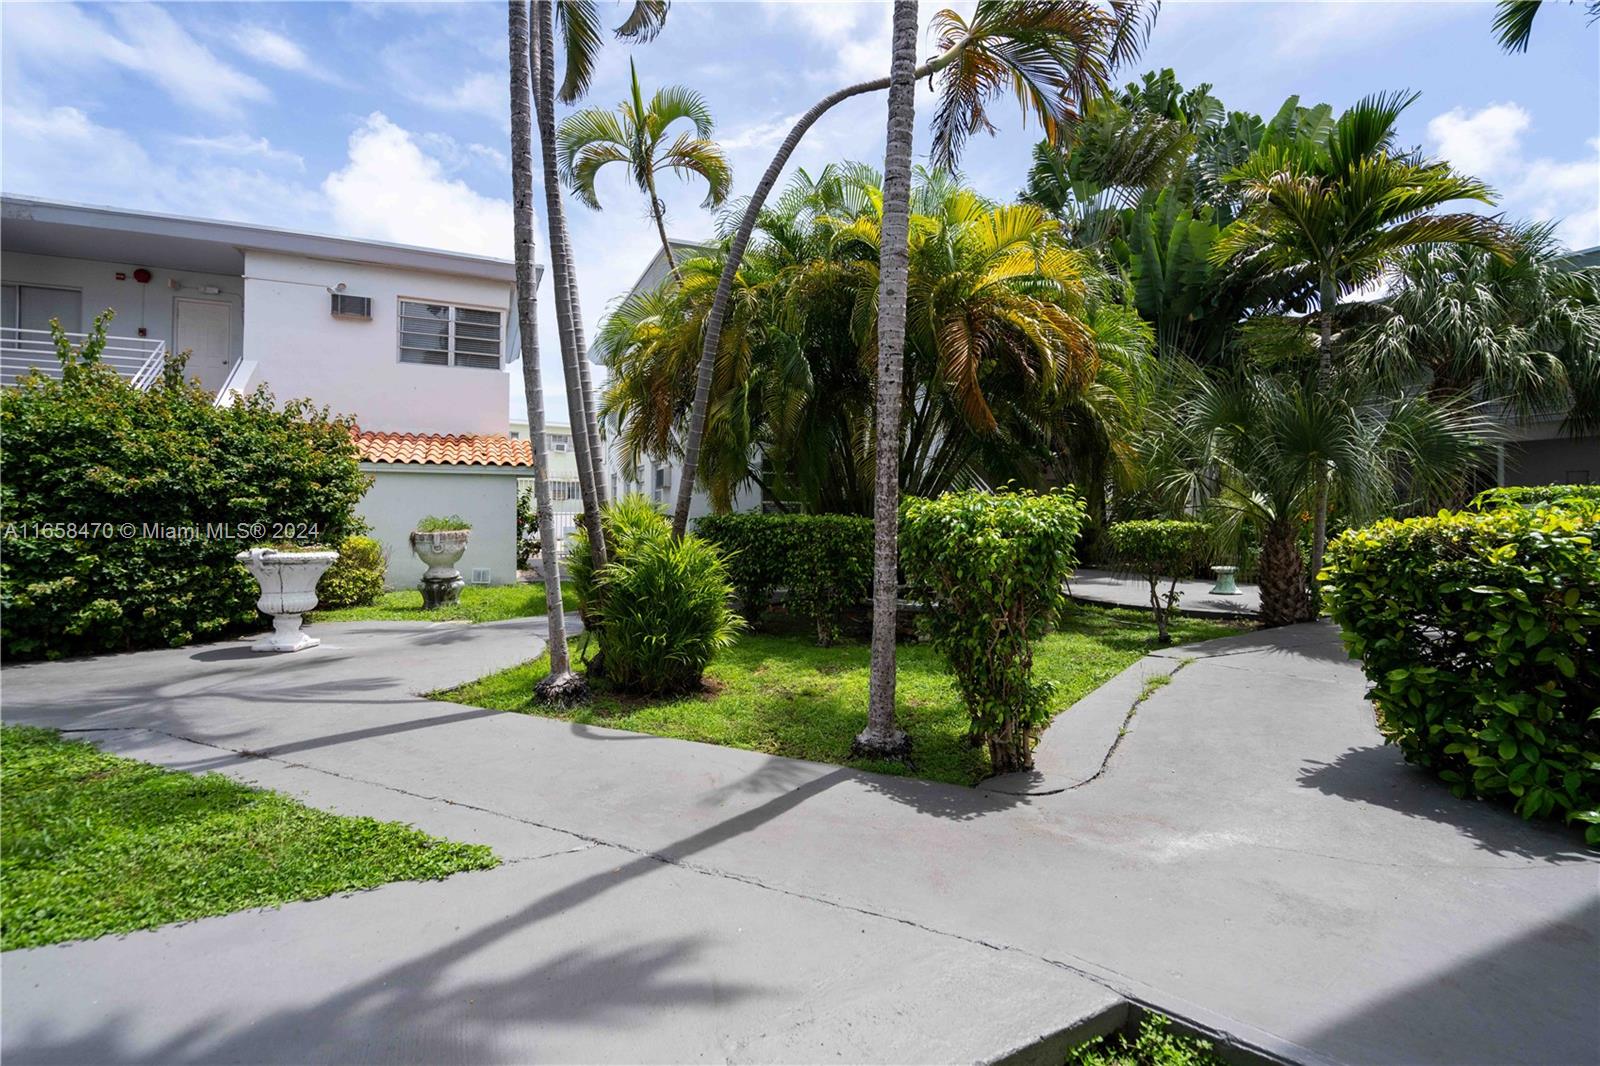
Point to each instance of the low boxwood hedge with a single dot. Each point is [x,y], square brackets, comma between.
[1478,633]
[825,561]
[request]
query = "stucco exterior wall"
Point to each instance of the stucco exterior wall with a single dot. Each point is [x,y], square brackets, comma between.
[354,365]
[401,494]
[150,305]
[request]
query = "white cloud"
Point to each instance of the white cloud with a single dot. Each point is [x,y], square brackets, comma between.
[1483,142]
[243,145]
[1487,143]
[144,40]
[392,190]
[271,47]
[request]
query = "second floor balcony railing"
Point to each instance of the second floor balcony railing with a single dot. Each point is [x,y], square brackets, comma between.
[139,359]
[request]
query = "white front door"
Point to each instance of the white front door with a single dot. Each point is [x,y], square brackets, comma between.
[205,329]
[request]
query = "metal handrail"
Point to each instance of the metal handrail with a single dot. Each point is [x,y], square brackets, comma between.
[139,359]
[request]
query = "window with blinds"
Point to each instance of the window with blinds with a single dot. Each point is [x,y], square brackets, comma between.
[445,335]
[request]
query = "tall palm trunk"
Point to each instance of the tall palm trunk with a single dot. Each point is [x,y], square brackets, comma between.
[1319,529]
[659,214]
[881,737]
[533,387]
[542,61]
[730,268]
[1282,576]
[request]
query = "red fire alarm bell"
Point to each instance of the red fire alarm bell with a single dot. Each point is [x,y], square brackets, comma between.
[142,276]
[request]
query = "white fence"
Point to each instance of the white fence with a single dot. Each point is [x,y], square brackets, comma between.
[139,359]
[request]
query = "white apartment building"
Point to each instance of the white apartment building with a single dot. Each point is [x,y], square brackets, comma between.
[412,342]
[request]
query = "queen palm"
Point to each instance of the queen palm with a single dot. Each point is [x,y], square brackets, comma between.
[576,23]
[637,135]
[1053,54]
[561,685]
[1339,209]
[882,738]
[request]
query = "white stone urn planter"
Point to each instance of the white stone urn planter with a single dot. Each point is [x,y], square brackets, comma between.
[441,550]
[288,583]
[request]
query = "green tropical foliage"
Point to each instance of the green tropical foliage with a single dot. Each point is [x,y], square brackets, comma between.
[1007,329]
[636,135]
[993,565]
[1479,634]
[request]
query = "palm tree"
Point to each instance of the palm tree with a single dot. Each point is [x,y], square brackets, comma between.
[577,22]
[1007,329]
[1462,322]
[1340,209]
[561,685]
[1255,447]
[636,135]
[1513,21]
[1054,54]
[882,738]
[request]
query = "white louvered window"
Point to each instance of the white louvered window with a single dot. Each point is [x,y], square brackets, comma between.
[445,335]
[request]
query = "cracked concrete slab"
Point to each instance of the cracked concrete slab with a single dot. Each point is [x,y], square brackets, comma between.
[1253,857]
[599,956]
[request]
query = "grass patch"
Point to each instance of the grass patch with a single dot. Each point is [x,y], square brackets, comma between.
[479,603]
[97,844]
[784,696]
[1152,1044]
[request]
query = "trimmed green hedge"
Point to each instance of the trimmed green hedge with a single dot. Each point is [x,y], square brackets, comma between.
[1155,548]
[825,561]
[1534,496]
[123,510]
[993,564]
[1480,635]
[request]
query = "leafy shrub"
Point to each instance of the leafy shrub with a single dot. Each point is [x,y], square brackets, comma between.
[123,509]
[659,607]
[528,546]
[1157,548]
[1480,635]
[993,565]
[356,580]
[1153,1044]
[1534,496]
[449,523]
[825,561]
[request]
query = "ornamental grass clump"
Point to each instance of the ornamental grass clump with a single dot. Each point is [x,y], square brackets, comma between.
[992,565]
[659,608]
[1154,549]
[1480,636]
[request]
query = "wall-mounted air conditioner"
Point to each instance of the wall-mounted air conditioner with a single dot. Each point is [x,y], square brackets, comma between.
[346,306]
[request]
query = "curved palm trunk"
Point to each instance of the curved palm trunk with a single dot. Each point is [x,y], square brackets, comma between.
[533,388]
[882,737]
[542,61]
[741,238]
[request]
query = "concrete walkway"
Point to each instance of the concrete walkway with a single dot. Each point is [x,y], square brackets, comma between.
[1113,589]
[1249,857]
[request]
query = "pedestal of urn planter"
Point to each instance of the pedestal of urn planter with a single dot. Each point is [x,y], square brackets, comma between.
[442,583]
[288,583]
[1225,585]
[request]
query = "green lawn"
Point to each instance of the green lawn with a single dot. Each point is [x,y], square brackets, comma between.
[97,844]
[479,603]
[783,695]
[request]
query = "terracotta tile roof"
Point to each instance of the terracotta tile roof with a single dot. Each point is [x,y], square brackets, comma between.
[458,449]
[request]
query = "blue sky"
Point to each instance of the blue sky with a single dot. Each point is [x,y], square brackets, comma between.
[388,120]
